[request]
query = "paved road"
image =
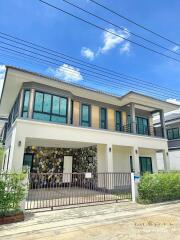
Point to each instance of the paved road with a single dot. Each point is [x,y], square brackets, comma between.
[123,220]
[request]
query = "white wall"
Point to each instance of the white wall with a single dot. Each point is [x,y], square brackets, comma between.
[121,159]
[174,158]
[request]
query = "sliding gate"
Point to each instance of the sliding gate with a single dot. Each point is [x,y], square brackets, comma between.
[49,190]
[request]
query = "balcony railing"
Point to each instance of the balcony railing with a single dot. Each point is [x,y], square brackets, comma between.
[143,130]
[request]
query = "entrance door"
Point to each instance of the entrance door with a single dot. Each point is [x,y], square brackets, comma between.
[28,160]
[67,169]
[145,164]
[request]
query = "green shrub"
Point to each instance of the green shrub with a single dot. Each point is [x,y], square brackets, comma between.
[12,192]
[159,187]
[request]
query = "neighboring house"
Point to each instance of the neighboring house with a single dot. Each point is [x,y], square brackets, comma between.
[172,122]
[55,126]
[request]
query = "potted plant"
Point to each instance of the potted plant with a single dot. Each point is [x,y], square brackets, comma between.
[12,193]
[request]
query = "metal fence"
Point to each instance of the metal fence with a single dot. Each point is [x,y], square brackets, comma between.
[49,190]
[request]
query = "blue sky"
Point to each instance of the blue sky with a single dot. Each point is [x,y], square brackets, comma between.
[40,24]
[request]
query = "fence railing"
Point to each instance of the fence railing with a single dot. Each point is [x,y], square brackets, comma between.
[48,190]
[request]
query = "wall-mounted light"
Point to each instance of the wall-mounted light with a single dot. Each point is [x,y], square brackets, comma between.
[19,143]
[110,149]
[167,153]
[136,151]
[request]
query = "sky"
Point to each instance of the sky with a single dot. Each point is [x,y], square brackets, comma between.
[40,24]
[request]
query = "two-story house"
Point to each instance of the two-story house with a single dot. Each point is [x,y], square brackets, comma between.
[56,126]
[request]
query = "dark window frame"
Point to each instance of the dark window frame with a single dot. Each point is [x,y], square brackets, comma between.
[89,115]
[103,121]
[51,114]
[22,111]
[173,137]
[118,126]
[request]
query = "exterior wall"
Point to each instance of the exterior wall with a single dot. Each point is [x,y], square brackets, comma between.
[124,118]
[101,156]
[52,159]
[111,119]
[174,158]
[76,113]
[29,129]
[121,159]
[95,116]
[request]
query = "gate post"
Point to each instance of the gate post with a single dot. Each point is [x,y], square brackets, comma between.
[134,186]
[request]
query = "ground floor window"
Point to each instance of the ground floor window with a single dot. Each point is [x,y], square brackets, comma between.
[145,165]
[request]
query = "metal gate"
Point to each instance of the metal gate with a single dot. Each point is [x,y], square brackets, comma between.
[49,190]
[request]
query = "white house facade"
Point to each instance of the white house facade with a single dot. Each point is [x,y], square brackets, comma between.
[55,126]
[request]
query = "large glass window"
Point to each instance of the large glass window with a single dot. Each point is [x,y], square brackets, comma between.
[85,115]
[118,121]
[25,107]
[173,133]
[48,107]
[142,126]
[103,118]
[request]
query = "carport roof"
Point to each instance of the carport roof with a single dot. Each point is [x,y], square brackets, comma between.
[15,77]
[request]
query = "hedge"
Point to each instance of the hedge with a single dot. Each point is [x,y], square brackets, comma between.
[159,187]
[12,192]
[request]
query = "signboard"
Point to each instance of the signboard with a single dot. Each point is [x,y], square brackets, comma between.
[136,178]
[88,175]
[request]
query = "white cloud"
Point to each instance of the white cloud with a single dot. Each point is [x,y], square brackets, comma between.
[111,41]
[125,48]
[175,48]
[173,100]
[88,53]
[67,73]
[2,74]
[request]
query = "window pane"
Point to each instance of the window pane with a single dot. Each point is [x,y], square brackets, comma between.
[55,107]
[170,134]
[58,119]
[38,102]
[85,113]
[25,114]
[176,133]
[47,103]
[41,116]
[63,106]
[26,101]
[118,120]
[103,118]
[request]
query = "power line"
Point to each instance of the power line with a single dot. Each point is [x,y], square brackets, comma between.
[135,23]
[103,78]
[115,34]
[81,62]
[123,29]
[84,69]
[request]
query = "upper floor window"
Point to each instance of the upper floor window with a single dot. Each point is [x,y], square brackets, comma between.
[103,118]
[50,108]
[85,115]
[25,106]
[173,133]
[142,125]
[118,121]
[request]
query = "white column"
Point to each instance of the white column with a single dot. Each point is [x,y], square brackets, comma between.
[166,160]
[135,159]
[109,158]
[31,103]
[16,153]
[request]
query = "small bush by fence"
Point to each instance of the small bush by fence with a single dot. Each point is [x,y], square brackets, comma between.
[12,192]
[159,187]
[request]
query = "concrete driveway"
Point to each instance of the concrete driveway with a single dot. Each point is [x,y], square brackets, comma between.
[124,220]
